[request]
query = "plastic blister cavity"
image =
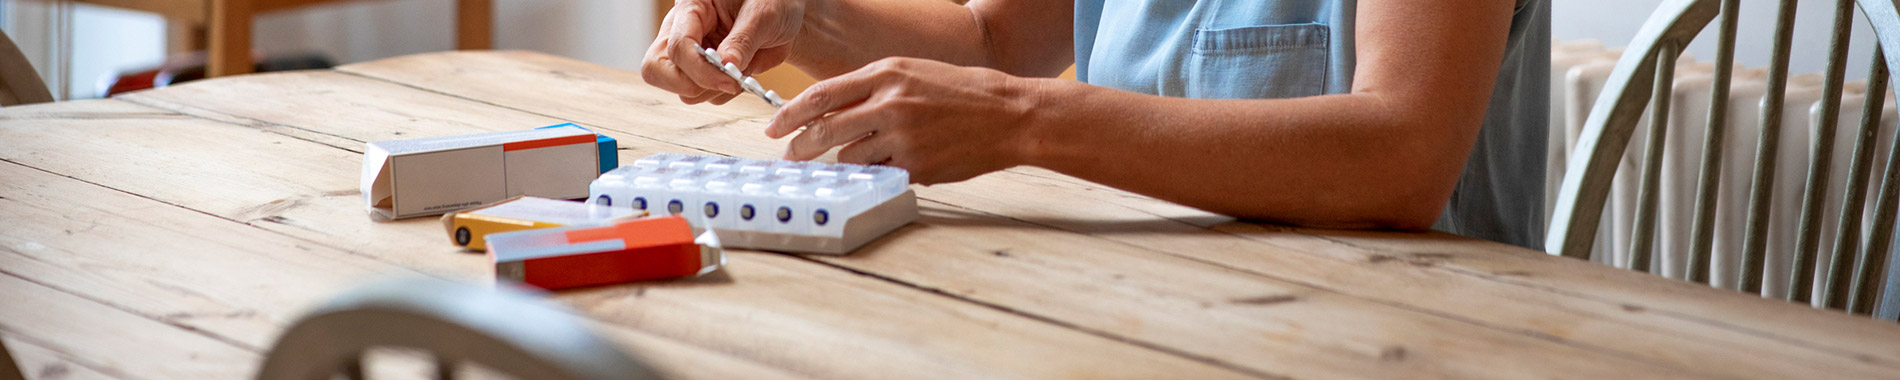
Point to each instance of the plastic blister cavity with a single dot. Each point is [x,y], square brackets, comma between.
[746,83]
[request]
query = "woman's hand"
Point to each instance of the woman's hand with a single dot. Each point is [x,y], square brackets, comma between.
[752,34]
[941,122]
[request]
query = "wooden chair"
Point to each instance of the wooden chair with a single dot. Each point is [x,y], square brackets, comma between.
[505,329]
[8,369]
[19,84]
[1642,81]
[229,25]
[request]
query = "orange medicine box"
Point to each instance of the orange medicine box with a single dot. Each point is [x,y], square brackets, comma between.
[432,176]
[467,228]
[627,251]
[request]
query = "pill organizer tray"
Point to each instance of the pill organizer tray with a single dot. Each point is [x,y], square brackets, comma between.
[789,206]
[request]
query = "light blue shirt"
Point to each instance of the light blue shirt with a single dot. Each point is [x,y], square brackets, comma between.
[1259,49]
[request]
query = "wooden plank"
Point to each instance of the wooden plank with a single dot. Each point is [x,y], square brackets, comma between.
[1344,350]
[745,311]
[227,170]
[1408,272]
[1515,288]
[113,341]
[43,363]
[354,109]
[1080,208]
[1547,287]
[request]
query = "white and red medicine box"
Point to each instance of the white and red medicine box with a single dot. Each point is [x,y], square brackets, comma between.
[432,176]
[626,251]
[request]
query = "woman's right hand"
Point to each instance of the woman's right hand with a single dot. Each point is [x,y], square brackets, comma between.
[752,34]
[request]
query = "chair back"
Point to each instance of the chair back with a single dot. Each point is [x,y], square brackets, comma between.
[1851,219]
[504,329]
[8,369]
[19,84]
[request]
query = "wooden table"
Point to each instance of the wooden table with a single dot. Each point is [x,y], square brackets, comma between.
[173,233]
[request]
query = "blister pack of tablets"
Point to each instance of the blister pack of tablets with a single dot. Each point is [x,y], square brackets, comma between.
[745,82]
[765,204]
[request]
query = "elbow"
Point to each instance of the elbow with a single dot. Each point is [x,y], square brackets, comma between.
[1415,215]
[1360,211]
[1405,197]
[1413,193]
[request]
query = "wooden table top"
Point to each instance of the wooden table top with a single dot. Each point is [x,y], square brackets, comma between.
[174,233]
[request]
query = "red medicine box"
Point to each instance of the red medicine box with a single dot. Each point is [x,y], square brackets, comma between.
[628,251]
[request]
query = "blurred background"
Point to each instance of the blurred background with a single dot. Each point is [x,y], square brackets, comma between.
[81,47]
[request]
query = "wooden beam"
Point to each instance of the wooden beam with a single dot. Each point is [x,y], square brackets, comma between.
[186,11]
[230,47]
[474,24]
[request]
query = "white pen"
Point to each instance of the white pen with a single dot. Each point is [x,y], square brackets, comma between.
[745,82]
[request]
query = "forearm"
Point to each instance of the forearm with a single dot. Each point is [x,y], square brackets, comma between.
[843,35]
[1026,38]
[1352,160]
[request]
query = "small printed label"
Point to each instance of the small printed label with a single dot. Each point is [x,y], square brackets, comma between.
[513,270]
[451,206]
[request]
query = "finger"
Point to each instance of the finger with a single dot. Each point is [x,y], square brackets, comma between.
[700,97]
[659,41]
[743,41]
[874,149]
[701,73]
[767,59]
[820,99]
[834,130]
[685,24]
[696,19]
[722,98]
[658,67]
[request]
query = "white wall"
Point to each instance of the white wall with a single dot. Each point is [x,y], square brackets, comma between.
[1615,22]
[107,40]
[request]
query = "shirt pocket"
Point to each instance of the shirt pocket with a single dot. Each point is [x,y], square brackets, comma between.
[1258,62]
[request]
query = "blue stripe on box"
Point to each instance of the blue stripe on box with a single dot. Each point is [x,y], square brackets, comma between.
[608,147]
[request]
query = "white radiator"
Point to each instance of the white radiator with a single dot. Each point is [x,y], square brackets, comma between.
[1579,70]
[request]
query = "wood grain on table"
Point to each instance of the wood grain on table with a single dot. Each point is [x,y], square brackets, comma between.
[172,233]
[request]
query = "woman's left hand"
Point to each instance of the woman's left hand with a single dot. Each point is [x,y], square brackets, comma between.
[941,122]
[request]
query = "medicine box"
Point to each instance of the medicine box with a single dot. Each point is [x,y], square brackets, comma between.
[627,251]
[430,176]
[467,228]
[791,206]
[609,148]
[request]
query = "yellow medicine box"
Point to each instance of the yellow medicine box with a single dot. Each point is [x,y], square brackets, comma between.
[468,228]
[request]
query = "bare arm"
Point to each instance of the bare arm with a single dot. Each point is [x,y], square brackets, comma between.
[1020,37]
[1387,154]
